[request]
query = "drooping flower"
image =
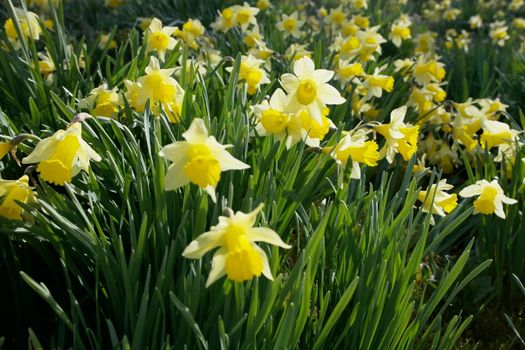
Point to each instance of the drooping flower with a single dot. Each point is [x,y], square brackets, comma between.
[356,148]
[12,191]
[437,201]
[491,197]
[199,160]
[102,102]
[238,257]
[308,89]
[29,26]
[400,137]
[61,157]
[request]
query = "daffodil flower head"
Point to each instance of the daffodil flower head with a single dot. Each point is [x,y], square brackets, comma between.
[271,116]
[308,89]
[102,102]
[238,257]
[496,133]
[400,137]
[12,191]
[355,147]
[490,197]
[158,86]
[159,38]
[437,201]
[198,160]
[29,25]
[251,73]
[62,156]
[290,25]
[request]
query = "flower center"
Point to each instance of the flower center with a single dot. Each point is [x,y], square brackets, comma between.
[289,24]
[274,121]
[202,168]
[59,168]
[307,92]
[243,16]
[159,41]
[486,203]
[242,261]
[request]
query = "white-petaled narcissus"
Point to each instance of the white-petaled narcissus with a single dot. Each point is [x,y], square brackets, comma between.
[238,257]
[62,156]
[491,197]
[15,190]
[199,160]
[308,89]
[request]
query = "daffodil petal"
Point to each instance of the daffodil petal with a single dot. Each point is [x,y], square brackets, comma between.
[203,244]
[218,267]
[263,234]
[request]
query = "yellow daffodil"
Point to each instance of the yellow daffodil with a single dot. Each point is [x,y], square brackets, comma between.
[356,148]
[400,137]
[245,15]
[496,133]
[475,22]
[46,66]
[347,71]
[159,38]
[199,160]
[251,73]
[290,25]
[238,257]
[336,17]
[428,71]
[157,86]
[491,197]
[271,118]
[400,30]
[308,89]
[29,26]
[102,102]
[225,21]
[499,33]
[12,191]
[263,4]
[296,52]
[375,84]
[191,31]
[437,201]
[426,43]
[62,156]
